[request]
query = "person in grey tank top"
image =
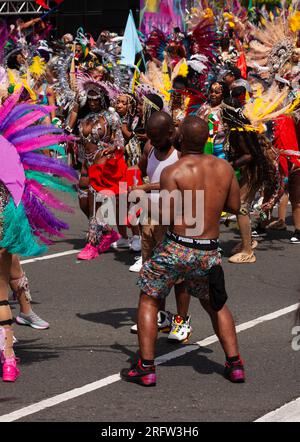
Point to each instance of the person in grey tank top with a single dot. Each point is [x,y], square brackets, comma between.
[158,154]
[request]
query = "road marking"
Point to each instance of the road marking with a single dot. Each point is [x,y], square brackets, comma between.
[55,255]
[287,413]
[56,400]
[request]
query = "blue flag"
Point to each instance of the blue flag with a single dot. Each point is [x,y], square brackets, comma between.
[131,44]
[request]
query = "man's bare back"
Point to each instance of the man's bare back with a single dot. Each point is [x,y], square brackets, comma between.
[198,172]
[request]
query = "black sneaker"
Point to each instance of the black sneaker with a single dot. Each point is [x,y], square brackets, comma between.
[295,239]
[259,232]
[235,372]
[139,375]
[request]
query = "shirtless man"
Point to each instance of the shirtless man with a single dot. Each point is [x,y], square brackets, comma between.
[195,259]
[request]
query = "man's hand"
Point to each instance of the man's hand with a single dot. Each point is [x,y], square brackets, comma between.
[142,187]
[108,151]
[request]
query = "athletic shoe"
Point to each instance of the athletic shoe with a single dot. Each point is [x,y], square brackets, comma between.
[164,321]
[135,243]
[235,372]
[136,267]
[10,372]
[133,329]
[122,243]
[33,320]
[108,240]
[295,239]
[181,329]
[88,253]
[258,232]
[139,375]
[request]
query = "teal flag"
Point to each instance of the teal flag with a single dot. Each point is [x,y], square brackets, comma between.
[131,44]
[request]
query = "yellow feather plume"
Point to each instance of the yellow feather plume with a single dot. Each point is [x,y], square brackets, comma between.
[38,66]
[294,22]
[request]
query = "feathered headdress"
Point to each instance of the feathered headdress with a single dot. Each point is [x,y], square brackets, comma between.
[86,84]
[272,46]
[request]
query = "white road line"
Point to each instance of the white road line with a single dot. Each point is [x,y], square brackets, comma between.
[288,413]
[55,255]
[56,400]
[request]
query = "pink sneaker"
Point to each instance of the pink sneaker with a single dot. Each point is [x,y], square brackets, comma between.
[88,253]
[10,372]
[107,241]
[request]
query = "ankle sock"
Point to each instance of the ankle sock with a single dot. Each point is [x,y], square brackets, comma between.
[146,363]
[233,359]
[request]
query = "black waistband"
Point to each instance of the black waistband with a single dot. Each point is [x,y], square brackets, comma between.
[193,243]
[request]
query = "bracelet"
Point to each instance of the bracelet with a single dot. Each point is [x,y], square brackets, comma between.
[69,129]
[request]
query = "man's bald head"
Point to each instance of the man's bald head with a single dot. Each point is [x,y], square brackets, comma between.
[161,121]
[160,130]
[194,134]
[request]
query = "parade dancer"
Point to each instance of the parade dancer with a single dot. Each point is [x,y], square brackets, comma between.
[194,259]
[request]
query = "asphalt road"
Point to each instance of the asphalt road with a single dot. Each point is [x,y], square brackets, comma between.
[91,306]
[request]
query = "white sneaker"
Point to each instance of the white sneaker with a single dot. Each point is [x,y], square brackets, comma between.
[164,321]
[135,244]
[122,243]
[295,239]
[133,329]
[136,267]
[181,329]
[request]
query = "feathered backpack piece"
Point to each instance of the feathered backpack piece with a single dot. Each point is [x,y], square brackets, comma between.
[26,176]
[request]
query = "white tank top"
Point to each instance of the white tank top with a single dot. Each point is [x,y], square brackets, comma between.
[155,168]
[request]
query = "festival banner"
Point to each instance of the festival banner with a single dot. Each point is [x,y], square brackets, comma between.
[162,14]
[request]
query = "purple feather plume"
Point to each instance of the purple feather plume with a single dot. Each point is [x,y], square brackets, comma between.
[47,197]
[3,38]
[43,141]
[22,109]
[40,218]
[27,120]
[42,163]
[33,132]
[7,107]
[45,240]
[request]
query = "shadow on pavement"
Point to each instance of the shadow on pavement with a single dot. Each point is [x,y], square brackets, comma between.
[198,361]
[30,353]
[117,318]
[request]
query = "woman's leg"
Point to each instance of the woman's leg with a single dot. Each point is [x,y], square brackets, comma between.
[283,204]
[6,320]
[294,190]
[20,286]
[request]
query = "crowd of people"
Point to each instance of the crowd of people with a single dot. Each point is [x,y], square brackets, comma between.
[213,107]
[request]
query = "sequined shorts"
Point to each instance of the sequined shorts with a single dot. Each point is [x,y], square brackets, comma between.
[172,263]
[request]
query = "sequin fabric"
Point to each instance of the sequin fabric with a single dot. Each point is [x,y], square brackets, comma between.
[3,202]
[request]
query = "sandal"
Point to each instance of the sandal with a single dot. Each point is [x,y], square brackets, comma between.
[239,247]
[242,258]
[278,224]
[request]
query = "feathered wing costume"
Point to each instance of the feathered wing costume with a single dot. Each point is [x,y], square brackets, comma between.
[26,175]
